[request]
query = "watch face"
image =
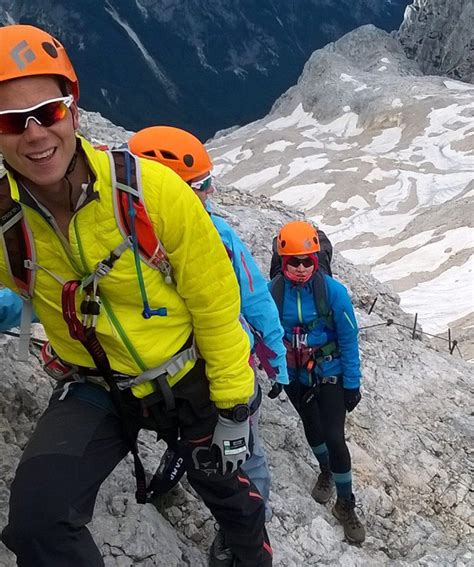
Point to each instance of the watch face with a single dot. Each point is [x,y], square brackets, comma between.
[241,412]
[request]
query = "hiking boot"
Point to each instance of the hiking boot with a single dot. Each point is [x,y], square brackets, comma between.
[220,555]
[324,487]
[344,511]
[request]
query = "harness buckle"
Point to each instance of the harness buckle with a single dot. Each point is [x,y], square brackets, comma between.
[54,366]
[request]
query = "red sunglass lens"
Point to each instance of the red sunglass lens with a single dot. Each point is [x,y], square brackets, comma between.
[12,123]
[50,113]
[47,115]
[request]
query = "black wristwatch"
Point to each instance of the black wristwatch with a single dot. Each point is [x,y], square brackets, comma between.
[238,413]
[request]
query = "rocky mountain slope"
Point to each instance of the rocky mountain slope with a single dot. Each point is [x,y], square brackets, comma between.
[382,158]
[439,35]
[410,438]
[152,57]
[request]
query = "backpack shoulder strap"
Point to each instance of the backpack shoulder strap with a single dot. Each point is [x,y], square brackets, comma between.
[277,289]
[17,242]
[320,294]
[128,201]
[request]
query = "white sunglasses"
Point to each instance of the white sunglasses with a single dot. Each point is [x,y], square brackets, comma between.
[203,184]
[45,114]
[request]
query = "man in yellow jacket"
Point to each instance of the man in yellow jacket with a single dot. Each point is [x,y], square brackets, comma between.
[63,191]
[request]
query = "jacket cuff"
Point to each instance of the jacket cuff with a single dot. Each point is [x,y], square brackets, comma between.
[228,405]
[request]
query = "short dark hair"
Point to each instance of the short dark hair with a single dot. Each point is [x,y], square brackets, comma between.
[65,86]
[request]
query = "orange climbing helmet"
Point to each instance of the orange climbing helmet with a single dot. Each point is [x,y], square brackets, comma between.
[173,147]
[26,51]
[298,238]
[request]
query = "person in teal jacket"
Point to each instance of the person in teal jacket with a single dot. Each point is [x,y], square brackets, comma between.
[323,363]
[186,155]
[10,310]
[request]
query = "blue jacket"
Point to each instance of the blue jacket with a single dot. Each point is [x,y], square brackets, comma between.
[10,309]
[299,310]
[257,305]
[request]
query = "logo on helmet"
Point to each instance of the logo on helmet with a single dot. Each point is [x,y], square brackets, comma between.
[22,55]
[308,244]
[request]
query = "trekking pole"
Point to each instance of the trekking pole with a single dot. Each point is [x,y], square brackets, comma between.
[413,335]
[384,324]
[373,304]
[449,339]
[453,346]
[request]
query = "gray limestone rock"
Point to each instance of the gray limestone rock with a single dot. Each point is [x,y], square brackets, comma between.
[410,440]
[439,35]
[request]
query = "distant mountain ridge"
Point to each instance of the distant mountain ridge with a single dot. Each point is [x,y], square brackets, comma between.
[195,64]
[381,157]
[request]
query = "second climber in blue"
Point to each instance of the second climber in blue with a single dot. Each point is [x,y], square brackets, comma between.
[323,363]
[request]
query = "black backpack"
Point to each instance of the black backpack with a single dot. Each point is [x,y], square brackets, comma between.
[324,256]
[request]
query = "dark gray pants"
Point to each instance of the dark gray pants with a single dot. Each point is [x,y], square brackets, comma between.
[79,441]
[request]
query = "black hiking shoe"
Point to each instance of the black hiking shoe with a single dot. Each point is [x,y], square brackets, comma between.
[324,487]
[220,555]
[344,511]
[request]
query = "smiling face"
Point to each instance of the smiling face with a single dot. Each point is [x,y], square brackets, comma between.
[41,155]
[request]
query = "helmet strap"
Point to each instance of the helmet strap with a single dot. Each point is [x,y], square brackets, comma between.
[71,167]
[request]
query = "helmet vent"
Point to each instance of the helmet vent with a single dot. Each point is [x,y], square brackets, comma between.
[149,153]
[168,155]
[50,49]
[188,160]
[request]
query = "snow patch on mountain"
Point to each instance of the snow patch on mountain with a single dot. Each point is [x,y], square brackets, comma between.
[374,166]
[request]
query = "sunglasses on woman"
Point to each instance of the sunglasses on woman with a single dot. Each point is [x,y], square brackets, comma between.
[295,262]
[45,114]
[203,184]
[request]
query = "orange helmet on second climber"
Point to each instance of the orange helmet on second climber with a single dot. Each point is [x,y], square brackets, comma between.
[173,147]
[298,238]
[26,51]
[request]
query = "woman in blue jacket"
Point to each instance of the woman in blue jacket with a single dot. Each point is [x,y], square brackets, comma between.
[323,363]
[186,155]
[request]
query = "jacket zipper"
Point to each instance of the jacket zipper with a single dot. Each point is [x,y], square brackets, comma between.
[299,306]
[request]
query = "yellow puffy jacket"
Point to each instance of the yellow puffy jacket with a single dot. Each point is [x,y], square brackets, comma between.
[205,298]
